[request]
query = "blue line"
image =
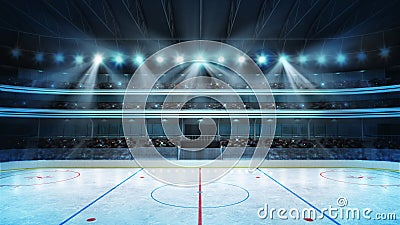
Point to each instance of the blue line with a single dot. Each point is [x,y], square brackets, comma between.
[298,196]
[97,199]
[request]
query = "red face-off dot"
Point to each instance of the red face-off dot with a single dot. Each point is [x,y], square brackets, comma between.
[257,177]
[142,177]
[308,219]
[91,219]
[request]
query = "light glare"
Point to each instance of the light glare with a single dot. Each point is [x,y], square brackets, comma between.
[139,59]
[341,59]
[98,59]
[303,59]
[283,59]
[179,59]
[160,59]
[321,59]
[262,59]
[78,59]
[118,59]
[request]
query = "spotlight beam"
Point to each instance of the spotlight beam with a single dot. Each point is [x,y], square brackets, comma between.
[296,79]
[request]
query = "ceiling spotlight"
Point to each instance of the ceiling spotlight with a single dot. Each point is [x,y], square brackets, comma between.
[78,59]
[179,59]
[98,59]
[341,59]
[321,59]
[302,59]
[361,56]
[160,59]
[241,59]
[139,59]
[118,59]
[384,52]
[39,57]
[58,57]
[283,59]
[221,59]
[262,60]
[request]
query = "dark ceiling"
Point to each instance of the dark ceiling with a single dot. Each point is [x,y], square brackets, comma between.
[129,26]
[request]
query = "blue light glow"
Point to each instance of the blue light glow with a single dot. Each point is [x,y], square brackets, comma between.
[39,57]
[384,52]
[283,58]
[58,57]
[262,60]
[321,59]
[139,59]
[118,59]
[361,56]
[78,59]
[341,59]
[302,59]
[15,53]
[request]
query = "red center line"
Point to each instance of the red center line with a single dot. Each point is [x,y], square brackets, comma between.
[200,217]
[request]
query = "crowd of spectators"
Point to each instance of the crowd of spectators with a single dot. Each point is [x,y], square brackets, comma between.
[322,105]
[82,143]
[384,143]
[121,142]
[337,84]
[278,142]
[104,148]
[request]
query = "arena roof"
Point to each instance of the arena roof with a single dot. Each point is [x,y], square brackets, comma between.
[272,26]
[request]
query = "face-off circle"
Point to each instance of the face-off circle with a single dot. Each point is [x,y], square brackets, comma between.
[211,193]
[366,178]
[36,178]
[145,78]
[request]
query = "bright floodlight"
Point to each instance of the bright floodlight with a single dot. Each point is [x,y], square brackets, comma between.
[139,59]
[98,59]
[283,59]
[341,59]
[179,59]
[303,59]
[118,59]
[221,59]
[321,59]
[241,59]
[78,59]
[262,60]
[160,59]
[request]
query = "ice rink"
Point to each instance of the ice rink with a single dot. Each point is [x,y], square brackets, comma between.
[131,196]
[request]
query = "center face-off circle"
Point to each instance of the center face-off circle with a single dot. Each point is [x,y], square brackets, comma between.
[212,195]
[134,116]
